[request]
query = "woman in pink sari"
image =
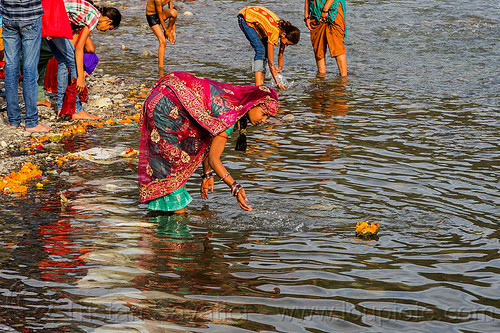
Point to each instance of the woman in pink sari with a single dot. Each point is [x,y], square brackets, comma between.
[185,122]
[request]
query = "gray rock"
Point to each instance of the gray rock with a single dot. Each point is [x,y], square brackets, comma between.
[102,102]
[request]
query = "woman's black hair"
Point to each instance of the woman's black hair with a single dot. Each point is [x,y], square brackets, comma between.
[292,33]
[241,143]
[110,12]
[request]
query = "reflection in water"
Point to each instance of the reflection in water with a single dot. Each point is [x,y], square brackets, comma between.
[64,261]
[329,99]
[328,96]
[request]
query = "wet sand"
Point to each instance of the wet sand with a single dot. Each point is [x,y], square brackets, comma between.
[109,97]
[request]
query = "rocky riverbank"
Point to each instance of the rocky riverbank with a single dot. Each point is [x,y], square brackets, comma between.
[109,97]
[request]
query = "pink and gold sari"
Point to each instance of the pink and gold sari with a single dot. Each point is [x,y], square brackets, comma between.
[179,118]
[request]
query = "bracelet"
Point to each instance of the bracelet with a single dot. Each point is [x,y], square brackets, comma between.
[224,177]
[235,188]
[207,175]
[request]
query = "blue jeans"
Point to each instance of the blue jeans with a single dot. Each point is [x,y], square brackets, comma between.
[64,52]
[22,37]
[259,45]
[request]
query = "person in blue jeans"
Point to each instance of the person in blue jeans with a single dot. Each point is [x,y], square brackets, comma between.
[22,33]
[264,29]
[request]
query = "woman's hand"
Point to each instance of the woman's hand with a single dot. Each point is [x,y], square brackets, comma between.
[206,185]
[324,16]
[282,87]
[80,84]
[308,23]
[241,197]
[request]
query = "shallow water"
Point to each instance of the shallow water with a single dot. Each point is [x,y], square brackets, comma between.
[409,140]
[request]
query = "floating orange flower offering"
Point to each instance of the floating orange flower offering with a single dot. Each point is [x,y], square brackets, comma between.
[366,229]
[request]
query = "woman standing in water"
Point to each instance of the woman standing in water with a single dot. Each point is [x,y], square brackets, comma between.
[264,30]
[185,122]
[326,20]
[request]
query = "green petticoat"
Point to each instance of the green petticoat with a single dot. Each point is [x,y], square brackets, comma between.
[174,201]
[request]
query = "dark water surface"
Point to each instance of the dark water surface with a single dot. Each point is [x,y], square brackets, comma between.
[410,140]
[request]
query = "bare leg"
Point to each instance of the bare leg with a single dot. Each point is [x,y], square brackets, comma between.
[171,15]
[259,78]
[321,63]
[162,44]
[342,64]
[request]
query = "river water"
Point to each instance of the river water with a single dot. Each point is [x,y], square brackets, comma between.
[409,140]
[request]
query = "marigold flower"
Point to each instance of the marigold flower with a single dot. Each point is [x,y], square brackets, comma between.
[366,229]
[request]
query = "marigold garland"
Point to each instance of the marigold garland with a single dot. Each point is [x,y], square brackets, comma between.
[13,182]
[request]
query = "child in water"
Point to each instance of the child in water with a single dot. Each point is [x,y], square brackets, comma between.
[156,16]
[264,29]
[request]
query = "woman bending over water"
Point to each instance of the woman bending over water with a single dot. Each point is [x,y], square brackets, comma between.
[264,30]
[185,122]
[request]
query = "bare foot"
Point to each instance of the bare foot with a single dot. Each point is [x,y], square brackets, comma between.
[84,115]
[12,127]
[39,128]
[45,102]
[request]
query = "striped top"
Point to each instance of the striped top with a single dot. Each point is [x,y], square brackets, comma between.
[82,13]
[264,21]
[21,10]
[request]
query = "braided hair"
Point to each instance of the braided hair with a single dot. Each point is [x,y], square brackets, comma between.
[241,142]
[292,33]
